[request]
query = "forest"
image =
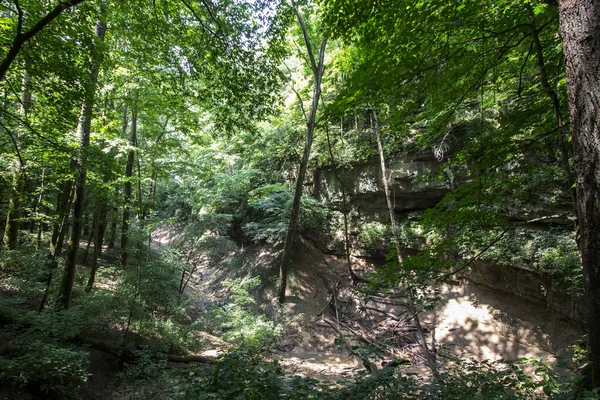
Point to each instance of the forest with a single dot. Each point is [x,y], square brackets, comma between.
[299,199]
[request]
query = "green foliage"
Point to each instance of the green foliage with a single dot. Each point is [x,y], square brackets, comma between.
[563,264]
[270,210]
[240,324]
[238,376]
[373,233]
[54,369]
[147,366]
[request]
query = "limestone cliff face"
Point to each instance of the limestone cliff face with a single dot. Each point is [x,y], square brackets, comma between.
[411,186]
[419,182]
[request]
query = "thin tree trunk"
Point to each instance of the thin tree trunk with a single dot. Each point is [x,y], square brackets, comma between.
[66,287]
[318,69]
[98,239]
[128,186]
[91,234]
[64,203]
[390,205]
[355,278]
[112,237]
[63,208]
[580,27]
[563,144]
[13,218]
[37,204]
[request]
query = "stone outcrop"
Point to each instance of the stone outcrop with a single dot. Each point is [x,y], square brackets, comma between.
[419,182]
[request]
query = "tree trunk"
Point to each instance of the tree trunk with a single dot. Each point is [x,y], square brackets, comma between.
[317,69]
[128,186]
[563,144]
[580,27]
[98,239]
[35,212]
[13,217]
[85,122]
[388,197]
[112,237]
[90,234]
[353,276]
[64,203]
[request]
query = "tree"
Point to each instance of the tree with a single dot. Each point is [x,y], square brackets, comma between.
[21,37]
[84,128]
[580,28]
[317,67]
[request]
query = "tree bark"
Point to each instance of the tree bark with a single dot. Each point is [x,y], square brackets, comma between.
[580,27]
[85,123]
[318,69]
[63,205]
[112,237]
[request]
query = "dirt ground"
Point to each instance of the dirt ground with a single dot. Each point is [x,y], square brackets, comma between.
[470,321]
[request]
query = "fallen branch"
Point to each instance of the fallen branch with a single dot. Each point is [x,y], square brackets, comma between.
[377,310]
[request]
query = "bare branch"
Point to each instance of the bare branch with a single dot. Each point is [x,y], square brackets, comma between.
[311,56]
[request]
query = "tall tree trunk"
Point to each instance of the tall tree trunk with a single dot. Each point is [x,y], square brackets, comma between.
[63,208]
[355,277]
[13,216]
[37,204]
[85,123]
[128,185]
[91,235]
[318,69]
[388,197]
[580,27]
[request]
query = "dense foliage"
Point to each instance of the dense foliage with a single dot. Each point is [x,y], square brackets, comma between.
[120,118]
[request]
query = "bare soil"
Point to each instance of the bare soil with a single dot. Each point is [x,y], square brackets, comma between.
[471,320]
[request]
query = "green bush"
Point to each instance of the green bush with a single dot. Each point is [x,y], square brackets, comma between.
[241,326]
[270,209]
[563,264]
[54,369]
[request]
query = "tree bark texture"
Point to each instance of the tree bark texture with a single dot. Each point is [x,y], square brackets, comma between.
[580,28]
[85,123]
[318,69]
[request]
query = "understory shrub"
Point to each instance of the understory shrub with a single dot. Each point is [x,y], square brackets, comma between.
[238,321]
[242,375]
[54,369]
[270,208]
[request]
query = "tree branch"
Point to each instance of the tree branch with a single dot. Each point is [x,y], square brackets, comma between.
[21,38]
